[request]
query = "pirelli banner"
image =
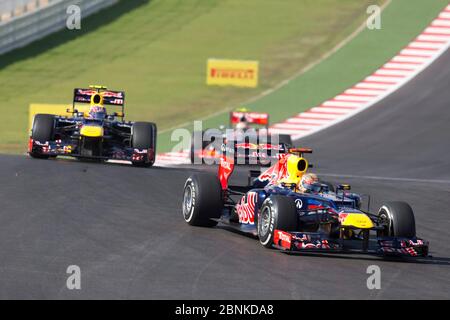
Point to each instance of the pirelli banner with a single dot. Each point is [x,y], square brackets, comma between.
[239,73]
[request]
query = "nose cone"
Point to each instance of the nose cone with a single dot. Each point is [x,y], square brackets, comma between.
[91,131]
[356,220]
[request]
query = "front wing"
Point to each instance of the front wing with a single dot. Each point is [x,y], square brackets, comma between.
[317,242]
[60,148]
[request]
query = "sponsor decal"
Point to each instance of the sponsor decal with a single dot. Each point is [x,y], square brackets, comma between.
[238,73]
[282,239]
[109,94]
[277,172]
[246,208]
[298,203]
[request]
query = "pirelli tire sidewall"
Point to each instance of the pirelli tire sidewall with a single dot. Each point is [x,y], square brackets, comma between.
[276,213]
[202,200]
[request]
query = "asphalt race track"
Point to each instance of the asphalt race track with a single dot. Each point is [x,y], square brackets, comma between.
[123,226]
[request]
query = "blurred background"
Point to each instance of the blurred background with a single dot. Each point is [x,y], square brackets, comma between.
[157,51]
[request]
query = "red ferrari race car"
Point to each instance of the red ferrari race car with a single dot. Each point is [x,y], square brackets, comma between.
[290,209]
[248,133]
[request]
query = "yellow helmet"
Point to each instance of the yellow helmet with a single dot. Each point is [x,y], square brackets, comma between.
[97,99]
[296,168]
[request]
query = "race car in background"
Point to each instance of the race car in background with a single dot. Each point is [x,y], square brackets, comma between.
[248,133]
[92,132]
[274,209]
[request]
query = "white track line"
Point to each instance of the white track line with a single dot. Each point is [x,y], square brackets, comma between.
[349,176]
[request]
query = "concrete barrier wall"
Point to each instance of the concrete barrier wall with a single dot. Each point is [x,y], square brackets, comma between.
[42,21]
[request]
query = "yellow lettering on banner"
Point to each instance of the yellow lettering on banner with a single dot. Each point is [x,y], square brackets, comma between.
[238,73]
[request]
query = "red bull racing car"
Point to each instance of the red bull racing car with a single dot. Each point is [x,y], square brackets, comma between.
[249,132]
[280,211]
[93,133]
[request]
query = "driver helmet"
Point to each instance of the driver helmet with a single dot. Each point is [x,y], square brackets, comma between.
[310,183]
[97,113]
[242,124]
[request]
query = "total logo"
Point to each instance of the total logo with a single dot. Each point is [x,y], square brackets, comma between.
[298,203]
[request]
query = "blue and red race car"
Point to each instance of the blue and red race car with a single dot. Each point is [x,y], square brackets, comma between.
[91,132]
[282,214]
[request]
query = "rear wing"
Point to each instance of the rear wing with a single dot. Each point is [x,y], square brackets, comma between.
[257,118]
[113,98]
[110,98]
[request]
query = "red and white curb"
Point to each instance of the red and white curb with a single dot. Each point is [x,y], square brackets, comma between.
[173,158]
[407,64]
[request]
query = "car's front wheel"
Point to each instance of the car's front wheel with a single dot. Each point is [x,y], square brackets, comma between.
[42,131]
[397,218]
[276,213]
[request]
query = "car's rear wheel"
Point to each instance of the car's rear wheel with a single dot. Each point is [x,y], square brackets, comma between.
[143,136]
[276,213]
[397,218]
[202,200]
[42,131]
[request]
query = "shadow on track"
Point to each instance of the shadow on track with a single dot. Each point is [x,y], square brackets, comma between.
[431,260]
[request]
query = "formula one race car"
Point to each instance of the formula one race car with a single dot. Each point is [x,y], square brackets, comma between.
[91,133]
[249,131]
[274,209]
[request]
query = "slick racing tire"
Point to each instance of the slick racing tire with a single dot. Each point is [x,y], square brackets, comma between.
[42,131]
[202,200]
[276,213]
[144,137]
[398,219]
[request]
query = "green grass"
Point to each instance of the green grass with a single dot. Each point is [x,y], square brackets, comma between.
[402,21]
[157,51]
